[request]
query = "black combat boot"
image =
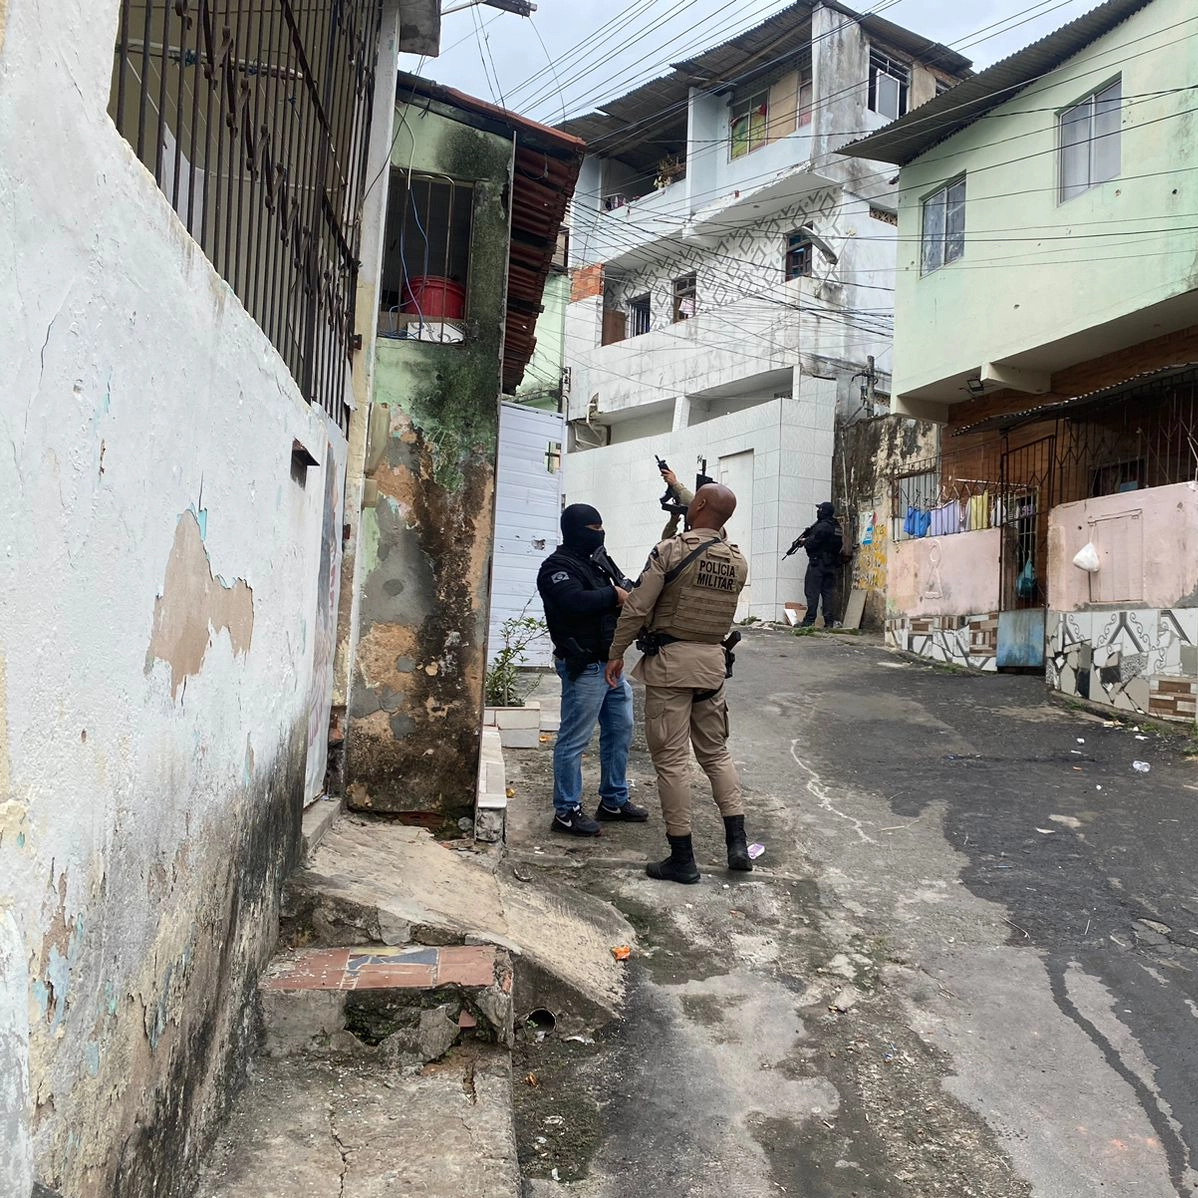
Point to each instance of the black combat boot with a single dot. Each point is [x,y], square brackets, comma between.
[679,866]
[738,846]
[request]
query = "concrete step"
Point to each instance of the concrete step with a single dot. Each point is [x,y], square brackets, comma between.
[318,818]
[308,1127]
[407,1004]
[372,881]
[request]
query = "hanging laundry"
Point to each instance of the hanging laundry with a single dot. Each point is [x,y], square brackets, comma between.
[979,512]
[945,519]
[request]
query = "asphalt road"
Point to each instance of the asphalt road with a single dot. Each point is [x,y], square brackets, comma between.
[1005,909]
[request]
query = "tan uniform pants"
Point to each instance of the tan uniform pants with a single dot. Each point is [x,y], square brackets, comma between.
[674,722]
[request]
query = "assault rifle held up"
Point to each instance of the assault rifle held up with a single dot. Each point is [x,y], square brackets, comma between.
[671,502]
[798,542]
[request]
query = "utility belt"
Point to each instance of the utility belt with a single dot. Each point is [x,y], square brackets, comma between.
[577,659]
[652,643]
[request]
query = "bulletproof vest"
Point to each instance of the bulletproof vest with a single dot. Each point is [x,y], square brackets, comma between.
[700,604]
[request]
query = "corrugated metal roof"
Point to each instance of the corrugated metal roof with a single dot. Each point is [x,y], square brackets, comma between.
[785,33]
[774,31]
[1091,399]
[544,177]
[927,126]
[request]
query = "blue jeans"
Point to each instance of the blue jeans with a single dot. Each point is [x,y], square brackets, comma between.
[584,700]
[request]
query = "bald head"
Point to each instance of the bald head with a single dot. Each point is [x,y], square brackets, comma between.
[712,506]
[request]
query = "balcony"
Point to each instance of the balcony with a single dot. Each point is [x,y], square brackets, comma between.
[623,232]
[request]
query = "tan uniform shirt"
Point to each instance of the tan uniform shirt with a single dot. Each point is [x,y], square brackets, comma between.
[684,663]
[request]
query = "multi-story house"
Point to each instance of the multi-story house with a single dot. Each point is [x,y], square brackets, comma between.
[733,275]
[1047,317]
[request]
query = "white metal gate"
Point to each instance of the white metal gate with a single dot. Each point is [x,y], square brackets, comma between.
[528,507]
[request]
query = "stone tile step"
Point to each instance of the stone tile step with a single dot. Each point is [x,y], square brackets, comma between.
[306,1128]
[399,1003]
[383,967]
[376,882]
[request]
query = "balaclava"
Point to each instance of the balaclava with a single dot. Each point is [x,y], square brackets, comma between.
[575,533]
[826,511]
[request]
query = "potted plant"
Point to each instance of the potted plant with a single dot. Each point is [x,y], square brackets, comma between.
[669,170]
[506,688]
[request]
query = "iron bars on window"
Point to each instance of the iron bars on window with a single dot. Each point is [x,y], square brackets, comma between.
[254,118]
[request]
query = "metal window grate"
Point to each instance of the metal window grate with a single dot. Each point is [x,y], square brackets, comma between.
[254,118]
[426,259]
[640,315]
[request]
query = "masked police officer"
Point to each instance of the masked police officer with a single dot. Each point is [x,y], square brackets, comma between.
[679,611]
[582,590]
[824,543]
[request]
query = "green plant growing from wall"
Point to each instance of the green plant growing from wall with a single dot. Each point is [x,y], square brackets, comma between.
[504,685]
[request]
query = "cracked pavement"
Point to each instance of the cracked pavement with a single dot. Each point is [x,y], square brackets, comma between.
[964,965]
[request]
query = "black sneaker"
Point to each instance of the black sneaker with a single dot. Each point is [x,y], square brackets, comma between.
[630,813]
[575,823]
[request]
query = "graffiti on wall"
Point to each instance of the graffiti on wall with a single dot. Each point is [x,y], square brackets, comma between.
[871,556]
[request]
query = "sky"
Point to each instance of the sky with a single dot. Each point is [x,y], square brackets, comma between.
[599,50]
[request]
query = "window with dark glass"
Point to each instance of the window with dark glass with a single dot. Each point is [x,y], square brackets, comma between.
[639,315]
[943,238]
[799,251]
[685,297]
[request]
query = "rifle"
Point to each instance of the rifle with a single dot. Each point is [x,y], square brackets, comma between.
[669,501]
[798,543]
[613,572]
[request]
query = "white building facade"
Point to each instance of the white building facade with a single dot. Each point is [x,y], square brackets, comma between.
[733,284]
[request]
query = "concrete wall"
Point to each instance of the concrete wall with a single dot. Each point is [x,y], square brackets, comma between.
[160,583]
[938,576]
[1147,543]
[1127,637]
[1033,271]
[427,518]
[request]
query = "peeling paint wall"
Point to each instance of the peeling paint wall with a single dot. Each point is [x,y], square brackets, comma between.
[159,574]
[868,454]
[427,516]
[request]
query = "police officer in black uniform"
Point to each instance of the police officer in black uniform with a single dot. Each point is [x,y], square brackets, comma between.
[583,590]
[824,542]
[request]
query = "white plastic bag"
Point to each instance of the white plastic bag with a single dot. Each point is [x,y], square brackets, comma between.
[1087,559]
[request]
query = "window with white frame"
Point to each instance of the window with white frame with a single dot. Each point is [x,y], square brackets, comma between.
[888,84]
[806,96]
[1089,141]
[943,239]
[640,315]
[749,123]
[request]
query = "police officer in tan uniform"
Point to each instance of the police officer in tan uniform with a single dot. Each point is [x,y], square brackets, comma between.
[679,612]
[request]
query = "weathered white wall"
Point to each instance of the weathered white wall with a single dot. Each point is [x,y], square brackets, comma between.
[159,574]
